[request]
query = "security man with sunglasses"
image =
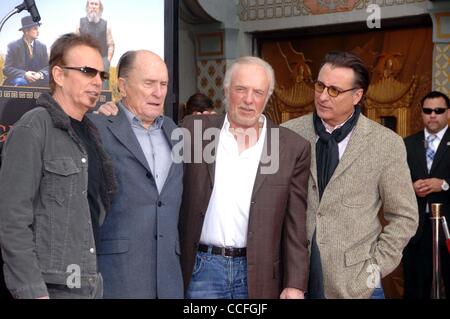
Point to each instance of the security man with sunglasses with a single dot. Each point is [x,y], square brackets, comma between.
[429,161]
[56,182]
[357,167]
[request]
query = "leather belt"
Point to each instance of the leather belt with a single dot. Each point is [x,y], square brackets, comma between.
[223,251]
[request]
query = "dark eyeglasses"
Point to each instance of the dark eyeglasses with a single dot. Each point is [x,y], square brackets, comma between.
[438,110]
[91,72]
[332,90]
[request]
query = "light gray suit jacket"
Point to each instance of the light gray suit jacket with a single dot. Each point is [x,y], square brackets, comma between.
[372,174]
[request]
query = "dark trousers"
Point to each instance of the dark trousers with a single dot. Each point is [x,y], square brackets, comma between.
[418,266]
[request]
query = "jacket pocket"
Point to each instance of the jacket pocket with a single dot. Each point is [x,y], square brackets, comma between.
[357,254]
[61,166]
[59,179]
[113,246]
[362,271]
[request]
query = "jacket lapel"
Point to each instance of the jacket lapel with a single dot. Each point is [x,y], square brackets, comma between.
[419,153]
[217,122]
[442,149]
[267,151]
[310,135]
[355,146]
[167,131]
[120,127]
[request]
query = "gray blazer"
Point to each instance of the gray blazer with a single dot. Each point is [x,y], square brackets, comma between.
[139,253]
[372,174]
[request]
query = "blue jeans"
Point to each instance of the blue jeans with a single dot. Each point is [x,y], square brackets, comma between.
[218,277]
[19,82]
[378,293]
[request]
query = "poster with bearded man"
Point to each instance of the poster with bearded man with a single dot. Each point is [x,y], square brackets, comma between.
[94,25]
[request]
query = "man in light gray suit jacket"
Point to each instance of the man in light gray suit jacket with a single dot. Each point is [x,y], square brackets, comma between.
[139,253]
[358,167]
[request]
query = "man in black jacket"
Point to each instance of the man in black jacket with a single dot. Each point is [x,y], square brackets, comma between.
[429,162]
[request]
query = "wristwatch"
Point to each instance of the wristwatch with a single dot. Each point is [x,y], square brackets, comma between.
[445,186]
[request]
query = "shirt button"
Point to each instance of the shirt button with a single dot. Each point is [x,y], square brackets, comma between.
[92,250]
[83,160]
[159,204]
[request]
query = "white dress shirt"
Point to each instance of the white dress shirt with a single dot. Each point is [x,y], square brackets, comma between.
[436,142]
[226,219]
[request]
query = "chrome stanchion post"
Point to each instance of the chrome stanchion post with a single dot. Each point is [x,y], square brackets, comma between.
[435,218]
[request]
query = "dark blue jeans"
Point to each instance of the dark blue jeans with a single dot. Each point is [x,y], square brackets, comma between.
[218,277]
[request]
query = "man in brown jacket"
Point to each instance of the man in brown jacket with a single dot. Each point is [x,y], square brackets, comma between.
[243,215]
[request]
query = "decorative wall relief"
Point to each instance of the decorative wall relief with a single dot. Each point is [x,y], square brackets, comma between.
[329,6]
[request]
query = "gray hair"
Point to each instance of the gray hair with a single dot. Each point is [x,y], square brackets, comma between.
[245,61]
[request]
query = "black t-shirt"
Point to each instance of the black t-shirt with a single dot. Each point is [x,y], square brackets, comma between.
[82,132]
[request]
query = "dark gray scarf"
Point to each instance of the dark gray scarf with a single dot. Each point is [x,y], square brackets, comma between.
[327,150]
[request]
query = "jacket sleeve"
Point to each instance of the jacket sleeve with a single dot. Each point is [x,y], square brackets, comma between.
[20,177]
[295,247]
[399,208]
[44,61]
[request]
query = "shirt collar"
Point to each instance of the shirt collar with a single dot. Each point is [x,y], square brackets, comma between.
[226,123]
[29,43]
[157,123]
[439,134]
[330,128]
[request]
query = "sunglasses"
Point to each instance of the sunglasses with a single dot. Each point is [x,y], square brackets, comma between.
[438,110]
[91,72]
[332,91]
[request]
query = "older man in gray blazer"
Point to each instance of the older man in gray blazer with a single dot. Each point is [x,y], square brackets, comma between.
[139,248]
[358,167]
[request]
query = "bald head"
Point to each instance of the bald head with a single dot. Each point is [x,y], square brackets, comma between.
[143,80]
[130,59]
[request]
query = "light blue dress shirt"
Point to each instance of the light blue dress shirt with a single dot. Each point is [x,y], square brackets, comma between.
[154,145]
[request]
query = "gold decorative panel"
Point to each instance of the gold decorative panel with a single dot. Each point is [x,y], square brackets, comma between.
[399,62]
[441,65]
